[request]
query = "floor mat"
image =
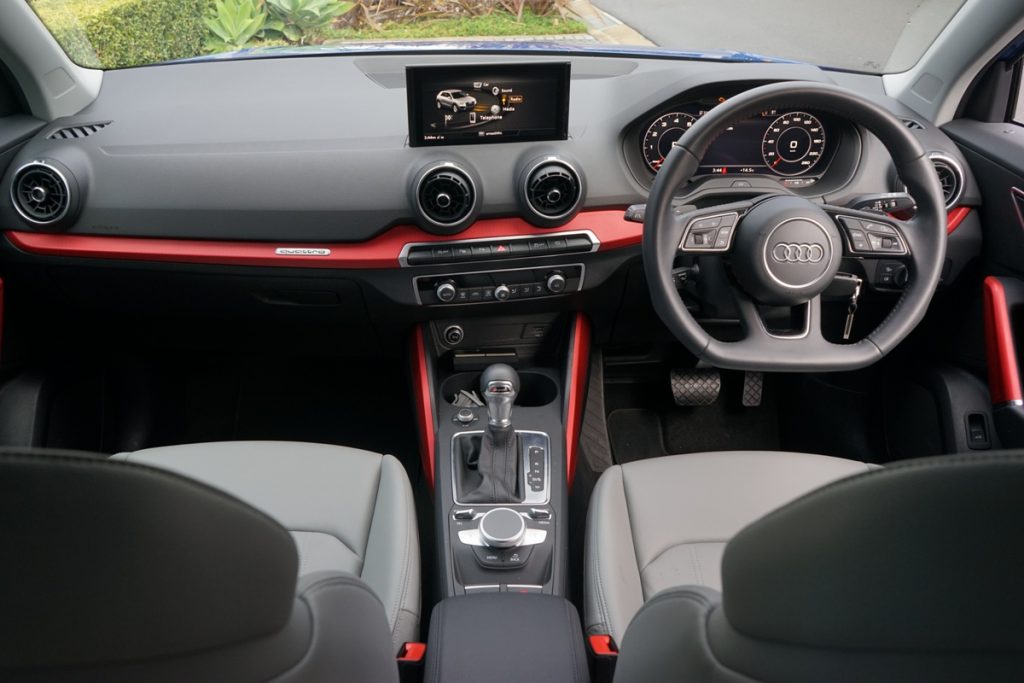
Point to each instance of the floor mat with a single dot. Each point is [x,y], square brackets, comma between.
[635,434]
[660,428]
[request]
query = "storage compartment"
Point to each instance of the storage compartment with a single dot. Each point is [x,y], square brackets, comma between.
[510,637]
[535,389]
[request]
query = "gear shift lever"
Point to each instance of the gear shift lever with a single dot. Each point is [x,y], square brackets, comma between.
[500,385]
[497,461]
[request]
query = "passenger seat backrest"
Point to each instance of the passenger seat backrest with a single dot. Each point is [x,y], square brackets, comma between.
[116,571]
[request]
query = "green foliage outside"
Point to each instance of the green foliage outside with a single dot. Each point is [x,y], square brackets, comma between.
[495,24]
[118,33]
[112,34]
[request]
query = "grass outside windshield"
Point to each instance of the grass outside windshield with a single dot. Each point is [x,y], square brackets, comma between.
[873,36]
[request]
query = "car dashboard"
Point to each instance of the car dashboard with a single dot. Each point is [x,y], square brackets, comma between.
[197,163]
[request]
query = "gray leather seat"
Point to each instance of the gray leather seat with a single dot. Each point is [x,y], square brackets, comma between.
[118,571]
[664,522]
[907,573]
[348,510]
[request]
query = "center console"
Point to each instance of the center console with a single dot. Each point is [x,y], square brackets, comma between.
[501,496]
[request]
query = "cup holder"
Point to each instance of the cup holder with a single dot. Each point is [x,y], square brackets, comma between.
[535,389]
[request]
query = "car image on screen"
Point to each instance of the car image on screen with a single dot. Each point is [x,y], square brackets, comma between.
[455,100]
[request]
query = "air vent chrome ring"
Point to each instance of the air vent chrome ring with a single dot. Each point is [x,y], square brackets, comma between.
[41,193]
[445,198]
[944,163]
[551,191]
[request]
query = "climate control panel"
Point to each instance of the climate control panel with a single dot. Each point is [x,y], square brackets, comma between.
[497,286]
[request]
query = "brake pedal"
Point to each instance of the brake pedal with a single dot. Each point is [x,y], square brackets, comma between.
[753,389]
[696,386]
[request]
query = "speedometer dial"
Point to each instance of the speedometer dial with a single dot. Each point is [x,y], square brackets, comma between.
[661,134]
[793,144]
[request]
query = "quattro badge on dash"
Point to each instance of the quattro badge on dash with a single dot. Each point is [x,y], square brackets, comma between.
[292,251]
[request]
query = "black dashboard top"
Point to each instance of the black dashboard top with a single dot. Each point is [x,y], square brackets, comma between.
[202,151]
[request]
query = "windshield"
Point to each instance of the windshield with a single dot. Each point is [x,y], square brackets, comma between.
[874,36]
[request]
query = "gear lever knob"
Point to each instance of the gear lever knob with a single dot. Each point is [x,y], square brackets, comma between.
[500,385]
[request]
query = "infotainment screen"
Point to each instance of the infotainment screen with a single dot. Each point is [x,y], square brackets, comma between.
[467,104]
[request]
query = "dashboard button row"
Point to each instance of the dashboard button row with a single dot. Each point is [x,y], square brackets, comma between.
[498,249]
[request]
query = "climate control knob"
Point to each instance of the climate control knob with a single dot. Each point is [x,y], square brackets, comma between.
[555,283]
[502,293]
[445,292]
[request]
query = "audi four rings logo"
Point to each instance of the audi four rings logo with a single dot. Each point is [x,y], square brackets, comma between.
[784,252]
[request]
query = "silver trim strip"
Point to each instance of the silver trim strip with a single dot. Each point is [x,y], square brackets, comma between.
[403,256]
[473,537]
[525,439]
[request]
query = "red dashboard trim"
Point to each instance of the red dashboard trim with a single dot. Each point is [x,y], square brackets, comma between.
[422,396]
[955,217]
[380,252]
[1004,382]
[579,365]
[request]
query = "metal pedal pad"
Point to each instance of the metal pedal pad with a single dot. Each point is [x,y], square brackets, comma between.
[753,389]
[695,387]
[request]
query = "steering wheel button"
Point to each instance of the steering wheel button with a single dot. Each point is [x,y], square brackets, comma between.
[706,223]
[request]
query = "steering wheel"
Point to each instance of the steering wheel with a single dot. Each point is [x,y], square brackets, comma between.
[784,250]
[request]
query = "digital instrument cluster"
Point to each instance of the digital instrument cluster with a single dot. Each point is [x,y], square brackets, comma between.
[776,142]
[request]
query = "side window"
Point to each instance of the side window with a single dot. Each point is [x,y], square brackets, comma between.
[1017,115]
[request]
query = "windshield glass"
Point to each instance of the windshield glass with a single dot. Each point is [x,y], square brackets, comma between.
[874,36]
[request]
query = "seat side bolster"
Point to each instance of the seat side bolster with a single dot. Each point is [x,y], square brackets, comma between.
[391,565]
[613,589]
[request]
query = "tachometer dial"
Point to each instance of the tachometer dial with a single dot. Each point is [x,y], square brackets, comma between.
[793,144]
[661,134]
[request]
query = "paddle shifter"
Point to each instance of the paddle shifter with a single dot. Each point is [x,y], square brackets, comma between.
[498,461]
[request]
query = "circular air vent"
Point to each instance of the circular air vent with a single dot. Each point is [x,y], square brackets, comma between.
[951,177]
[41,193]
[446,198]
[552,191]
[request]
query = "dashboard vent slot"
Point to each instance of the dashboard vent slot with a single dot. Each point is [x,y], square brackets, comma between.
[41,193]
[76,132]
[951,177]
[553,189]
[446,196]
[912,124]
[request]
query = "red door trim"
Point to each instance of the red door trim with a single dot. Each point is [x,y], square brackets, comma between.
[380,252]
[576,391]
[1003,371]
[423,398]
[955,217]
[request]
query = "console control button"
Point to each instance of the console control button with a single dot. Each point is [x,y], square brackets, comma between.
[490,588]
[524,588]
[464,513]
[540,513]
[555,283]
[446,292]
[502,293]
[502,528]
[453,335]
[492,558]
